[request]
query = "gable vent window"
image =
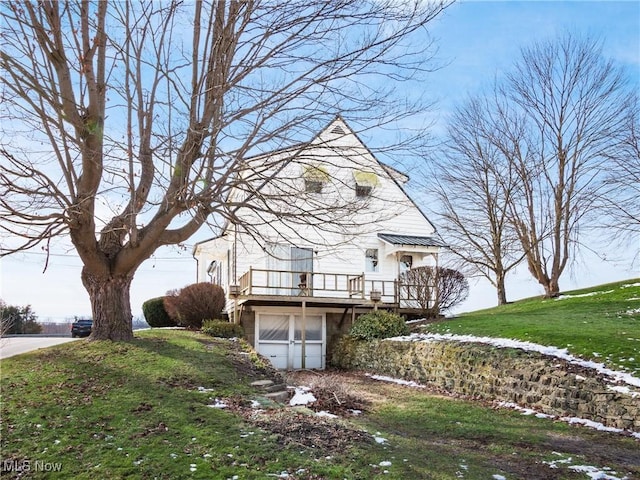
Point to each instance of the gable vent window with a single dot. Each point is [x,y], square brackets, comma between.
[365,183]
[315,176]
[338,129]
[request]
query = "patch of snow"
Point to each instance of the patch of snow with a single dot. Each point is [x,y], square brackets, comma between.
[355,411]
[570,420]
[633,311]
[627,285]
[380,440]
[595,473]
[302,396]
[399,381]
[580,377]
[633,298]
[525,411]
[624,390]
[202,389]
[193,467]
[555,463]
[322,413]
[218,404]
[409,322]
[562,353]
[385,463]
[255,404]
[581,295]
[591,424]
[495,476]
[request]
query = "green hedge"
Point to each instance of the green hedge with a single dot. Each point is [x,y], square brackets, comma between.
[222,328]
[155,313]
[378,324]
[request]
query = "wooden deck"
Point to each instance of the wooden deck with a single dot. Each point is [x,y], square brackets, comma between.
[290,288]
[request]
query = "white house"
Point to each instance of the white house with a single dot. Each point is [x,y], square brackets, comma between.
[324,241]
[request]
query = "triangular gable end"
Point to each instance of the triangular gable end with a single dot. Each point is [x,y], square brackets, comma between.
[329,135]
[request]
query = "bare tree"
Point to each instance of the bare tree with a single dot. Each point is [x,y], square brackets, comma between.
[618,212]
[473,183]
[125,124]
[574,103]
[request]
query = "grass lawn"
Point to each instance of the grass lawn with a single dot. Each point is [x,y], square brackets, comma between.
[600,323]
[98,410]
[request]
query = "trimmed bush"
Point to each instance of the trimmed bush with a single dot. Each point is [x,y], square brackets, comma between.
[378,324]
[222,328]
[155,314]
[194,303]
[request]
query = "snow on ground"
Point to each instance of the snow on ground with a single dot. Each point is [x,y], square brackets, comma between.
[622,389]
[399,381]
[323,413]
[614,375]
[596,473]
[570,420]
[627,285]
[218,404]
[302,396]
[581,295]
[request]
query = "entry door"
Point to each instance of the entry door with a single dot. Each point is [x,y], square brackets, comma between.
[279,338]
[302,266]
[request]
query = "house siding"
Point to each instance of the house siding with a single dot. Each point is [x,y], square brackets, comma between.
[342,159]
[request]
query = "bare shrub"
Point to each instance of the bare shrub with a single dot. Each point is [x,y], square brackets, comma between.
[194,303]
[434,289]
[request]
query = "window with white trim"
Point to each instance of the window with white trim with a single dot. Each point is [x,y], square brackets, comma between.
[406,262]
[371,260]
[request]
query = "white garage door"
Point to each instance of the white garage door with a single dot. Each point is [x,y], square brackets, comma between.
[280,340]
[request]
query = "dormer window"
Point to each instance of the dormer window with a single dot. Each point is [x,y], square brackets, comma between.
[315,176]
[365,183]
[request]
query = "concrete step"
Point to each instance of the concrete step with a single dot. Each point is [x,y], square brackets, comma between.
[276,387]
[281,396]
[262,383]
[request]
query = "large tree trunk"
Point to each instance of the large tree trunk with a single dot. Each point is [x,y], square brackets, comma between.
[501,289]
[551,288]
[111,306]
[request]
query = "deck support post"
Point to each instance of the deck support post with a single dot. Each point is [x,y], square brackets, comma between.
[303,335]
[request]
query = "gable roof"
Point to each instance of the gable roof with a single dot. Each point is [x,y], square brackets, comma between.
[395,175]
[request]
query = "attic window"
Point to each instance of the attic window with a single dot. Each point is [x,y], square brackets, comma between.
[338,129]
[312,186]
[315,176]
[365,183]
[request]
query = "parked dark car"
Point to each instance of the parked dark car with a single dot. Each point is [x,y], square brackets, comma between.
[81,327]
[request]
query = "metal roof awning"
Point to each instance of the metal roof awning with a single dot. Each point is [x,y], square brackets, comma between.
[416,243]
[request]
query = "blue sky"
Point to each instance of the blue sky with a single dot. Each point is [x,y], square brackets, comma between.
[477,40]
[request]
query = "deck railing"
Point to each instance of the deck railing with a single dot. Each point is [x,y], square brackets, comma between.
[265,282]
[315,284]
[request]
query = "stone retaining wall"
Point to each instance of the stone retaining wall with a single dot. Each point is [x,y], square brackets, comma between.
[532,380]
